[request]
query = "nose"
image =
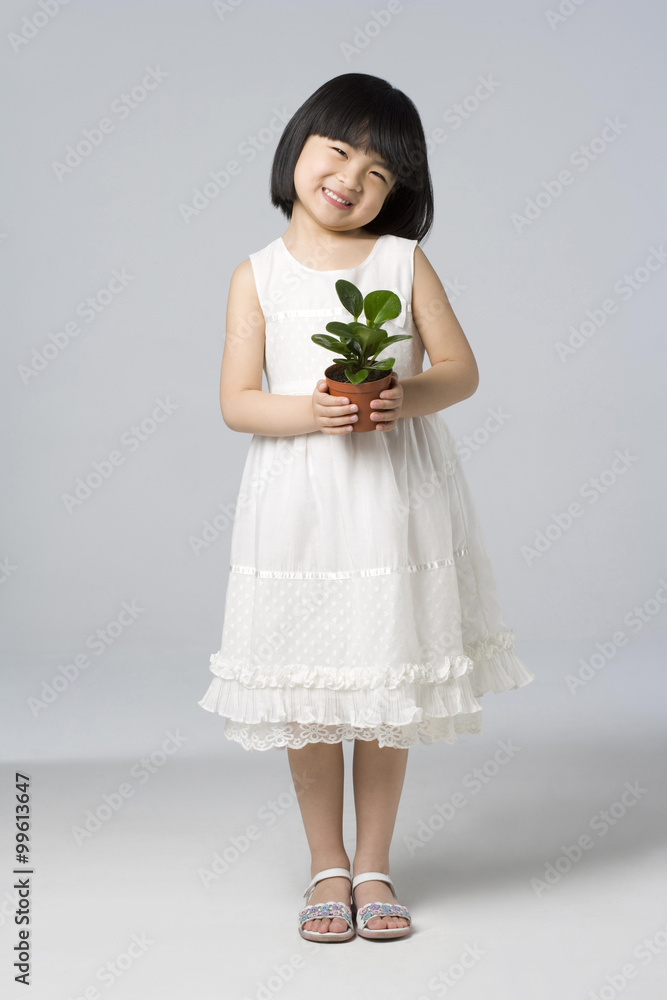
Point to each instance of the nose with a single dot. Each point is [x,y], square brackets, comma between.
[348,179]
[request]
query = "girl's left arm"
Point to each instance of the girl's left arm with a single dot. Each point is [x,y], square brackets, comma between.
[453,374]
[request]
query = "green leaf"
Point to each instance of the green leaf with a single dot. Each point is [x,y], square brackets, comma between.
[394,340]
[329,343]
[363,334]
[350,344]
[350,296]
[377,342]
[385,363]
[381,306]
[339,328]
[356,377]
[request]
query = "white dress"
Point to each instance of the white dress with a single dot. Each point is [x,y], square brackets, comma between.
[360,602]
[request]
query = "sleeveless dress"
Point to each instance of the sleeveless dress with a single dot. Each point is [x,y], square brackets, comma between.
[360,602]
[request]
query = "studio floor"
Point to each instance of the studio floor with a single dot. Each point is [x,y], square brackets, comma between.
[531,856]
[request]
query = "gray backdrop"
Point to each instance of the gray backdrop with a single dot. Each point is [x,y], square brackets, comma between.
[120,230]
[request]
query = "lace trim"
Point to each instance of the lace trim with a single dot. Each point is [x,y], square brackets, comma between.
[345,574]
[268,736]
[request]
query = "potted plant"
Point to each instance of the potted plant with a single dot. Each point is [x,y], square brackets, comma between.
[357,373]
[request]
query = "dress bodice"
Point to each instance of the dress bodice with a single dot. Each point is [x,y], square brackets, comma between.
[298,301]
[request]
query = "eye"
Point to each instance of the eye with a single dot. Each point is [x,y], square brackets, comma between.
[381,176]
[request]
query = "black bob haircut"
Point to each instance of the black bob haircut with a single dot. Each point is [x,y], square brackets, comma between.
[368,113]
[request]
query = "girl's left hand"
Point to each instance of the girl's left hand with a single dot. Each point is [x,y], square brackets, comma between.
[388,405]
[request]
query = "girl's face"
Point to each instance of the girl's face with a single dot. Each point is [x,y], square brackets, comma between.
[328,169]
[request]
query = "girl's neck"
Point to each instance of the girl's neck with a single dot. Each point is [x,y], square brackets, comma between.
[330,249]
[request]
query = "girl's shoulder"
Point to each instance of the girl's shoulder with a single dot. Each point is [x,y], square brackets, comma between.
[400,246]
[265,250]
[396,251]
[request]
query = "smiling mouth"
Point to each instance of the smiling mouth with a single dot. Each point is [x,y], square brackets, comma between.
[332,194]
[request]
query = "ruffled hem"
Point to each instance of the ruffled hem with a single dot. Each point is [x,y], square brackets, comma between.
[417,703]
[347,678]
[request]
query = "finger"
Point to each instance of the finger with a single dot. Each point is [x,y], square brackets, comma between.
[334,403]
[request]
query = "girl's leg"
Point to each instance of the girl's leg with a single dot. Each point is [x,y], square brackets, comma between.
[318,772]
[378,774]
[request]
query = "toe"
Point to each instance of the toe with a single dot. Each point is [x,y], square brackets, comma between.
[379,923]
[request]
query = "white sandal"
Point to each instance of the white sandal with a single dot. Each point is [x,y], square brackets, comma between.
[370,910]
[329,909]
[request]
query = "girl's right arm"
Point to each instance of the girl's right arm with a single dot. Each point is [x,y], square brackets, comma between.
[245,406]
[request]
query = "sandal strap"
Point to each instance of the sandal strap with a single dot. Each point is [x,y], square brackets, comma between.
[370,910]
[330,909]
[326,873]
[376,876]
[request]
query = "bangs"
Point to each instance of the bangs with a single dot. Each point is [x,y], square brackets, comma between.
[368,130]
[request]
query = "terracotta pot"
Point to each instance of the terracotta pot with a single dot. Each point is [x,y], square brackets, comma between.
[361,394]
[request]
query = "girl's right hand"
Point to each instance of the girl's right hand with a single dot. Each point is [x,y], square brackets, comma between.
[333,414]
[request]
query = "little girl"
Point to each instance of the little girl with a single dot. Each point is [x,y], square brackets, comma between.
[361,603]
